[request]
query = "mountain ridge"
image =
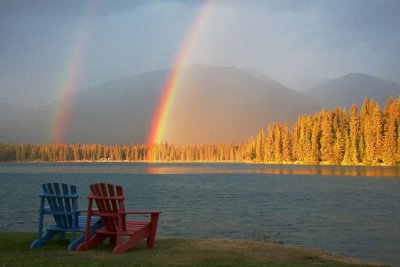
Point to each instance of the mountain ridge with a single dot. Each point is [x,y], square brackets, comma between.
[353,88]
[212,105]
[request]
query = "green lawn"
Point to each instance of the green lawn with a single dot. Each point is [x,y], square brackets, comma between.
[14,251]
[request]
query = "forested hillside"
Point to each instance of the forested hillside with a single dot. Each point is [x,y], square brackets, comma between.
[369,136]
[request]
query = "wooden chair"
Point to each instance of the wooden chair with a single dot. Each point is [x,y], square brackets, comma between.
[62,201]
[109,200]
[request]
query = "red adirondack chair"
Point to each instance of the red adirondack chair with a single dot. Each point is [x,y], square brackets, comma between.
[109,200]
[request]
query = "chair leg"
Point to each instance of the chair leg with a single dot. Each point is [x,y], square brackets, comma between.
[44,239]
[153,229]
[132,241]
[150,241]
[92,232]
[95,240]
[75,242]
[95,226]
[113,240]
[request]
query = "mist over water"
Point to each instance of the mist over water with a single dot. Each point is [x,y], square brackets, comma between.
[351,211]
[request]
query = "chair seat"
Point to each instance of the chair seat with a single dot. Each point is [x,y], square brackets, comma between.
[81,225]
[131,227]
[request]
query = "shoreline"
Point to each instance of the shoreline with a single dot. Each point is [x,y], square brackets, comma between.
[296,163]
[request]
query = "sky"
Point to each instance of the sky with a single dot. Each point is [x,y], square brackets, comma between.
[45,44]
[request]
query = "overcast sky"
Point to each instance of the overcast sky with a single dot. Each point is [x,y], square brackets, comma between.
[297,43]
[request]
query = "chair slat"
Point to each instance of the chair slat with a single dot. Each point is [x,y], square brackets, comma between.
[114,204]
[120,193]
[67,204]
[107,207]
[48,188]
[95,188]
[61,207]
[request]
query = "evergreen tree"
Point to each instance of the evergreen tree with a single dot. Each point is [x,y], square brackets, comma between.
[269,145]
[302,140]
[363,117]
[286,148]
[308,158]
[294,142]
[390,133]
[398,130]
[278,143]
[315,142]
[372,133]
[347,152]
[354,134]
[251,150]
[327,137]
[339,127]
[260,146]
[377,120]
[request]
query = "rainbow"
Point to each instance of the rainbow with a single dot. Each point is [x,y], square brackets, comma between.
[161,114]
[70,81]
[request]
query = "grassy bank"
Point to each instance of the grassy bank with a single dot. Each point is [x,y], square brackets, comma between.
[14,251]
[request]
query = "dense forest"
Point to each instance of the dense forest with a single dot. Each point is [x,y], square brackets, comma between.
[369,136]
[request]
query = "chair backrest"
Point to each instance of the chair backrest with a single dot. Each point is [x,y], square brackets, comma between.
[63,203]
[109,199]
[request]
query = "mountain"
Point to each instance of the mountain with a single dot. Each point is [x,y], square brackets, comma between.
[353,88]
[228,105]
[116,112]
[211,105]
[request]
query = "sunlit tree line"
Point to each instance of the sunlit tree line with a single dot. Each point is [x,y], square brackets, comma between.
[369,136]
[96,152]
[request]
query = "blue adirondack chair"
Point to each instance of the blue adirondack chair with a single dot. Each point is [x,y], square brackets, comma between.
[62,201]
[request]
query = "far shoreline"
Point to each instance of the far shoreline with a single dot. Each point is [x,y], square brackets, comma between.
[185,167]
[296,163]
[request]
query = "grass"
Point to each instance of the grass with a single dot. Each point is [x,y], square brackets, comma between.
[14,251]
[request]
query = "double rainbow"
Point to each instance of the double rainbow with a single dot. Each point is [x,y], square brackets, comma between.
[71,79]
[161,115]
[74,66]
[61,119]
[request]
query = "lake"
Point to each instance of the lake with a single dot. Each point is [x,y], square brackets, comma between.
[352,211]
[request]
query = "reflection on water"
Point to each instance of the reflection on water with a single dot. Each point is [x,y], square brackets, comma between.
[331,170]
[277,169]
[327,207]
[186,168]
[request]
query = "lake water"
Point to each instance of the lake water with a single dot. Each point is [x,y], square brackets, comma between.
[352,211]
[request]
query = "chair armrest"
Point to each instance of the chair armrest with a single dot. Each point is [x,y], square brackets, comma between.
[142,212]
[93,210]
[81,211]
[154,214]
